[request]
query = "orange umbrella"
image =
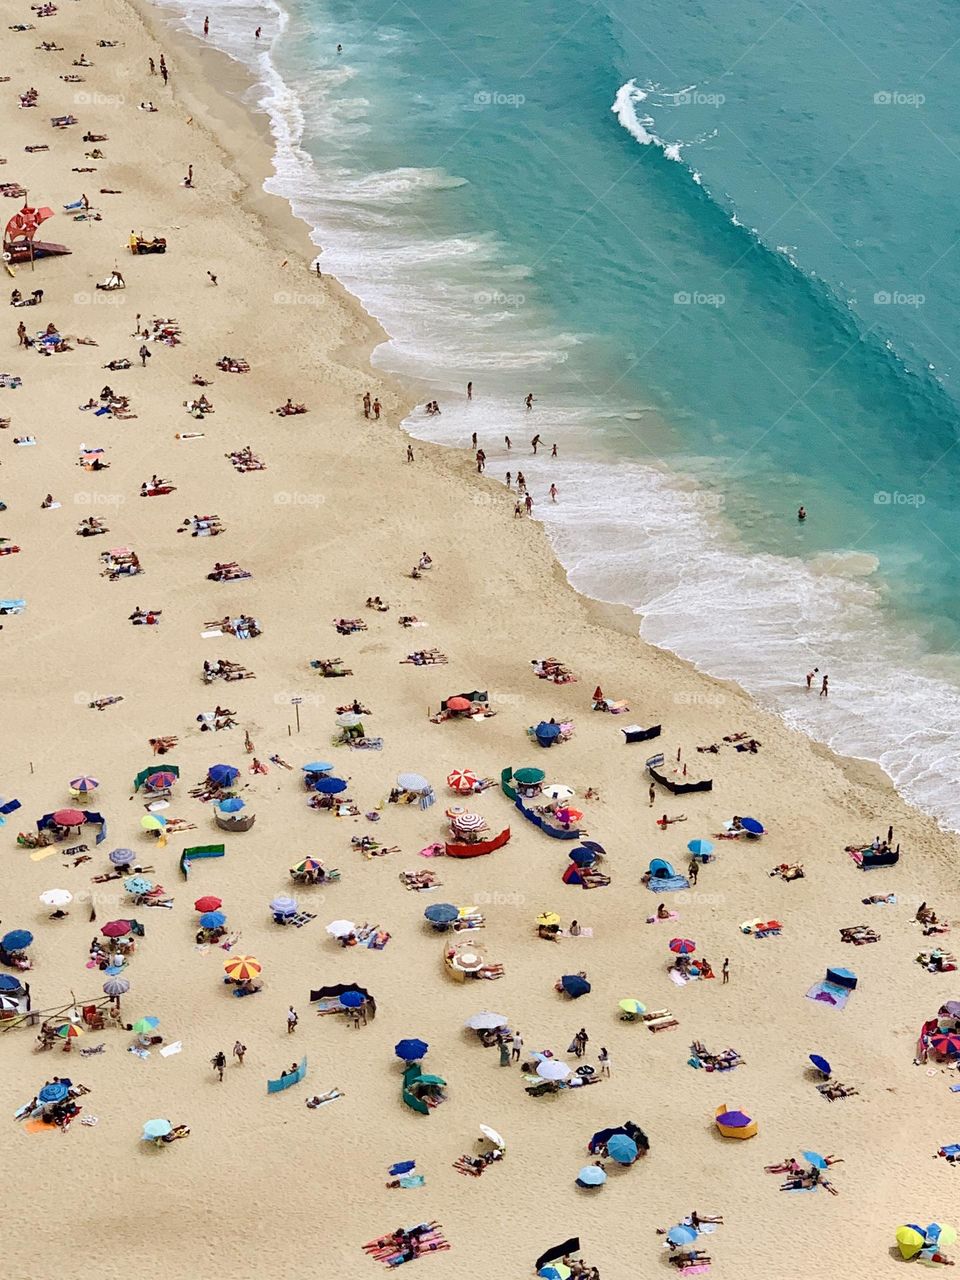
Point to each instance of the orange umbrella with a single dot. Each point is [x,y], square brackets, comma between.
[242,968]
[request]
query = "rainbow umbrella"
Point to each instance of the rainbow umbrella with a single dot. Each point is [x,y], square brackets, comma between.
[84,783]
[308,864]
[69,1031]
[242,968]
[682,946]
[69,817]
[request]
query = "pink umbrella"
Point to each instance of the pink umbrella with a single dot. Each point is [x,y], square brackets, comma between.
[116,928]
[458,704]
[682,946]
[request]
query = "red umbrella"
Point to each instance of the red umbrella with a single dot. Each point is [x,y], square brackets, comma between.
[161,780]
[209,903]
[459,704]
[462,779]
[682,946]
[945,1042]
[116,928]
[598,694]
[69,818]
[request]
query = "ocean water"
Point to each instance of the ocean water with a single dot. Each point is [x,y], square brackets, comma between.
[718,243]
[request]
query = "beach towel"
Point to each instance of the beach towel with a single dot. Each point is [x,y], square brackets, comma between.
[412,1180]
[667,884]
[169,1049]
[827,993]
[677,978]
[671,915]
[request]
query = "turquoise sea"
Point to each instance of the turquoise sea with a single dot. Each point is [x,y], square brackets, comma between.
[718,244]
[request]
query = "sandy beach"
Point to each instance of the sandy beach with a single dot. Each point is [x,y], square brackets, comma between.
[263,1185]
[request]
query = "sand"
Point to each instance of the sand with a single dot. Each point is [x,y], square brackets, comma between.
[264,1186]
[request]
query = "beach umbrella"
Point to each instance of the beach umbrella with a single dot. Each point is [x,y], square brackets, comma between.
[682,946]
[567,815]
[458,704]
[632,1006]
[582,857]
[318,766]
[69,1031]
[946,1236]
[557,791]
[341,928]
[349,720]
[529,777]
[329,786]
[547,730]
[143,1026]
[122,857]
[592,1175]
[69,817]
[555,1271]
[56,897]
[156,1129]
[469,822]
[207,903]
[9,1004]
[162,780]
[232,804]
[574,985]
[548,919]
[462,780]
[352,999]
[411,1050]
[622,1148]
[137,884]
[55,1092]
[822,1065]
[910,1241]
[10,983]
[942,1042]
[222,775]
[116,987]
[700,846]
[441,913]
[84,783]
[16,940]
[681,1235]
[283,905]
[412,782]
[486,1021]
[814,1158]
[752,826]
[153,822]
[491,1135]
[552,1069]
[212,920]
[116,929]
[951,1009]
[308,864]
[242,968]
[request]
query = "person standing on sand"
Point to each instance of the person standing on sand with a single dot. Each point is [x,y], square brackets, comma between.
[377,406]
[219,1062]
[509,478]
[153,66]
[810,675]
[473,440]
[238,1051]
[481,461]
[504,1048]
[410,457]
[22,335]
[824,690]
[553,493]
[528,503]
[469,390]
[535,442]
[366,404]
[292,1020]
[521,482]
[652,793]
[603,1057]
[517,1046]
[725,972]
[517,510]
[144,354]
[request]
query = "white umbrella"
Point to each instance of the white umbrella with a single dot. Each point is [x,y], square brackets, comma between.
[557,791]
[9,1005]
[486,1021]
[492,1135]
[552,1069]
[348,720]
[56,897]
[341,928]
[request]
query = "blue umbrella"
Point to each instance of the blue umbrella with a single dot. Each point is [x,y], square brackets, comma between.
[574,985]
[411,1050]
[814,1158]
[318,766]
[591,1176]
[352,999]
[329,786]
[583,857]
[441,913]
[156,1129]
[212,920]
[681,1235]
[16,940]
[622,1149]
[402,1166]
[550,1273]
[232,804]
[700,846]
[822,1065]
[9,983]
[752,826]
[222,774]
[122,857]
[55,1092]
[547,730]
[137,884]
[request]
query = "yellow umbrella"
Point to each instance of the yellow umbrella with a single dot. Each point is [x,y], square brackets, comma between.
[910,1242]
[632,1006]
[242,968]
[548,918]
[150,822]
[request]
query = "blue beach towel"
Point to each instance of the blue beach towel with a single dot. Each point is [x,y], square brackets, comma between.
[670,884]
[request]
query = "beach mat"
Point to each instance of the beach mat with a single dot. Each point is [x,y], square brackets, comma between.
[669,884]
[39,1126]
[828,994]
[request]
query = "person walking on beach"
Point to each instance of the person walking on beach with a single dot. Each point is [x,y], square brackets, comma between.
[518,509]
[693,871]
[507,441]
[509,477]
[22,335]
[529,400]
[410,457]
[292,1020]
[603,1057]
[725,972]
[580,1042]
[163,69]
[481,461]
[824,690]
[553,493]
[145,354]
[535,442]
[469,390]
[238,1051]
[366,404]
[521,482]
[206,26]
[504,1048]
[553,451]
[810,675]
[528,503]
[517,1046]
[212,278]
[652,793]
[377,406]
[219,1062]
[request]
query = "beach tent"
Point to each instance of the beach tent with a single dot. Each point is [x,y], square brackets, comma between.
[342,989]
[840,977]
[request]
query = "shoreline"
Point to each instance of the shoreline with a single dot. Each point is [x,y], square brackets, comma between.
[224,98]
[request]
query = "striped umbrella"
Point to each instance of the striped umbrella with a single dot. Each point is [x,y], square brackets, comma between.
[162,780]
[116,987]
[682,946]
[122,857]
[462,780]
[84,783]
[56,897]
[308,864]
[242,968]
[945,1042]
[69,1031]
[469,822]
